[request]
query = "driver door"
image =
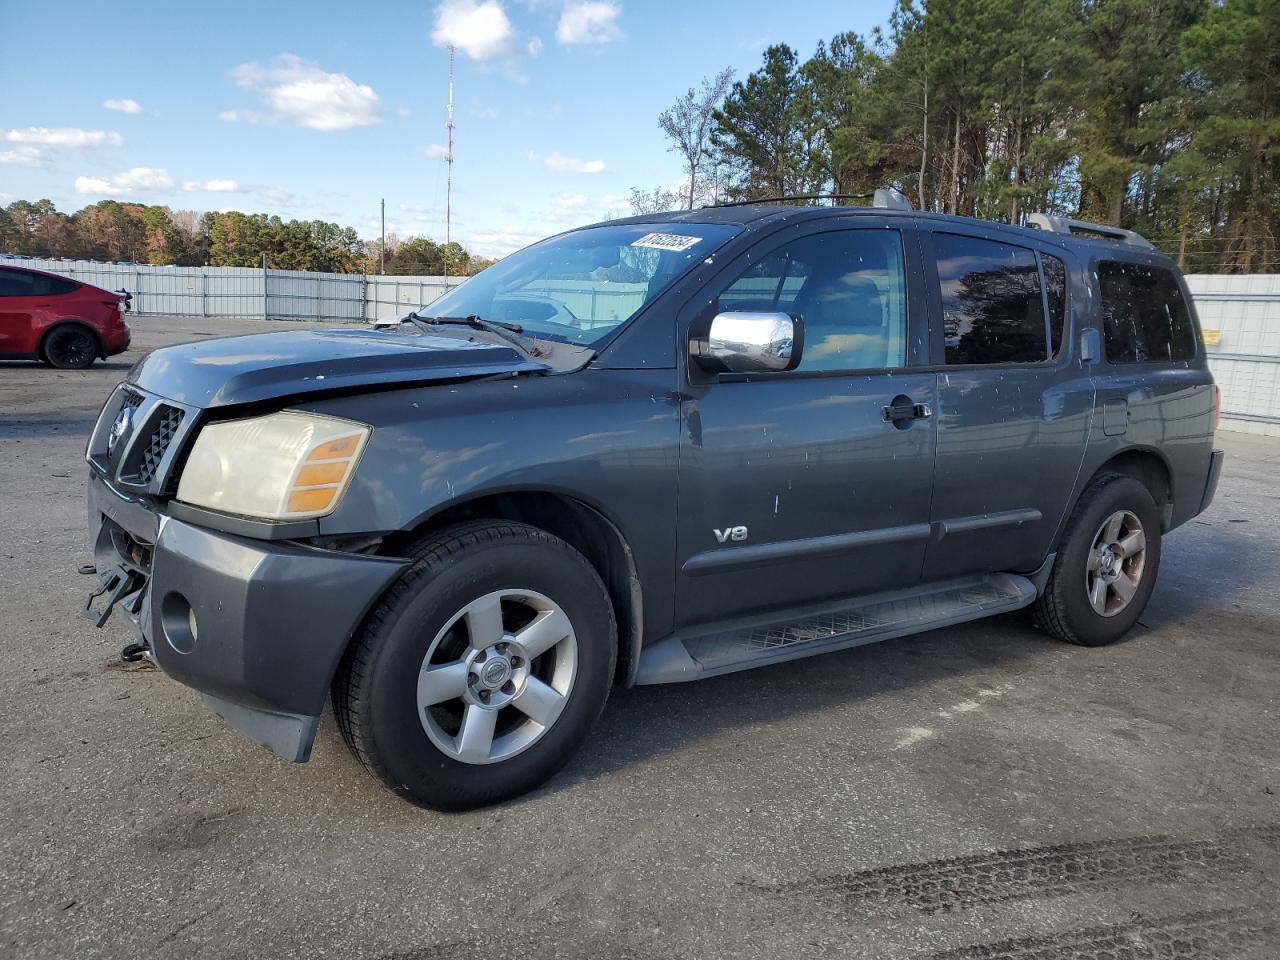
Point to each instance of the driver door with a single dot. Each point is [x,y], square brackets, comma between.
[794,487]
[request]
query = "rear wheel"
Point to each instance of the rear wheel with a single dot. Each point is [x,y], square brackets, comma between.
[482,669]
[1106,565]
[71,347]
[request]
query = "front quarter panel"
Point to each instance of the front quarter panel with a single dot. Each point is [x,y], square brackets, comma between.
[607,438]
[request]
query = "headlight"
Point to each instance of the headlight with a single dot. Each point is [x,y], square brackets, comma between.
[285,466]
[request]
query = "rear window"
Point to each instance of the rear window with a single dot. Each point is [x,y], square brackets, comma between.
[992,305]
[1145,318]
[20,283]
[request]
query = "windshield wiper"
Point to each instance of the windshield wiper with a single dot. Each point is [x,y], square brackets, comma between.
[509,332]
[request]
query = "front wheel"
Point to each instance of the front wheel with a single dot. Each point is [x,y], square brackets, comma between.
[1106,565]
[482,669]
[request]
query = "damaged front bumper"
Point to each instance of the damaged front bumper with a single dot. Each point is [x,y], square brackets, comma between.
[257,627]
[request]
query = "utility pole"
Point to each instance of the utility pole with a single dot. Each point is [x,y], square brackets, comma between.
[448,159]
[382,244]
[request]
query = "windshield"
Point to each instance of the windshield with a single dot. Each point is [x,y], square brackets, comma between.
[581,286]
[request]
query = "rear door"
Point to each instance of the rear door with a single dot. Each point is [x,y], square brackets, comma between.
[794,487]
[1015,399]
[17,304]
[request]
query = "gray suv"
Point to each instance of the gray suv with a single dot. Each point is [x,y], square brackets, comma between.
[648,451]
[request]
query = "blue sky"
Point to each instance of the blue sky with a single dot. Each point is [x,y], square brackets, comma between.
[318,110]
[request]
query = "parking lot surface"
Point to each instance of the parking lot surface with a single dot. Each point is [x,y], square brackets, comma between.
[975,792]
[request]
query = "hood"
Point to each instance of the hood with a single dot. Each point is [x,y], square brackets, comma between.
[266,366]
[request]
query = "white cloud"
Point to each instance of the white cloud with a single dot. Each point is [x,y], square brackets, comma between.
[278,197]
[570,201]
[136,180]
[68,137]
[123,106]
[480,30]
[562,164]
[578,207]
[589,21]
[302,93]
[212,186]
[502,242]
[23,156]
[435,151]
[534,46]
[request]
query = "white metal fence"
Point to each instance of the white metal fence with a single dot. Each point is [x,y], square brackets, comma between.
[252,291]
[1240,314]
[1241,319]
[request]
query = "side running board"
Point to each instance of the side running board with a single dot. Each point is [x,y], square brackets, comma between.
[757,641]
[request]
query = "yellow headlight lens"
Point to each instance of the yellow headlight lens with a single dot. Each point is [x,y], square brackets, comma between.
[284,466]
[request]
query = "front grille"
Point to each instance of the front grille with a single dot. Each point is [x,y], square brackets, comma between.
[162,433]
[137,451]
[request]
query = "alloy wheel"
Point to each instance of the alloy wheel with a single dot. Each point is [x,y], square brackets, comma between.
[1116,562]
[497,676]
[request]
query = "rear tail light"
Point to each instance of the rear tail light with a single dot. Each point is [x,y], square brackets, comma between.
[1217,406]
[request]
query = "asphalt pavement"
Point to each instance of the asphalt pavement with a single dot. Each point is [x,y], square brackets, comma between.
[976,792]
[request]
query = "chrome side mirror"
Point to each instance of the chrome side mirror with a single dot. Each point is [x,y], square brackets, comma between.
[750,342]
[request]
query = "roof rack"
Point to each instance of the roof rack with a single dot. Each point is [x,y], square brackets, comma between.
[1051,223]
[887,198]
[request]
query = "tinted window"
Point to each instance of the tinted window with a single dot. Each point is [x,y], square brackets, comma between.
[20,283]
[1055,288]
[1144,317]
[849,288]
[992,308]
[17,283]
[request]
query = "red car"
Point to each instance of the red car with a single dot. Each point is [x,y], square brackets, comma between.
[63,322]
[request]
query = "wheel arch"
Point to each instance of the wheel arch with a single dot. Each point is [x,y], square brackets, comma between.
[1149,467]
[68,322]
[581,525]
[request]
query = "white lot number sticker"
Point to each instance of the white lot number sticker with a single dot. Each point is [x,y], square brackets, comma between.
[666,241]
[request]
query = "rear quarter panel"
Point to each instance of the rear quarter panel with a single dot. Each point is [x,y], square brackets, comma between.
[1165,409]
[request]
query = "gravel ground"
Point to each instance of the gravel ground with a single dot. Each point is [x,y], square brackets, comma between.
[976,792]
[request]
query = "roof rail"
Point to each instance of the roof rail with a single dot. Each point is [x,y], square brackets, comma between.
[1052,223]
[887,198]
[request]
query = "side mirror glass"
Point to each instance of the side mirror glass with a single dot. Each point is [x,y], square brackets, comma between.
[750,342]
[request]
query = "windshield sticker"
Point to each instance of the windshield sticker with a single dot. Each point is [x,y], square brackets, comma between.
[666,241]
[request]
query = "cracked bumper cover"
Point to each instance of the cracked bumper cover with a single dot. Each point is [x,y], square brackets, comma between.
[272,619]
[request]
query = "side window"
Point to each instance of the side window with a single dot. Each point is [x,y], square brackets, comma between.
[1144,316]
[58,286]
[847,286]
[1055,288]
[992,308]
[17,283]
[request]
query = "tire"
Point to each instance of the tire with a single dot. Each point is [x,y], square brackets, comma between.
[71,347]
[1096,592]
[429,637]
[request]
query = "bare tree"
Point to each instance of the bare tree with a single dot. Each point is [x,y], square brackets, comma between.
[687,124]
[659,200]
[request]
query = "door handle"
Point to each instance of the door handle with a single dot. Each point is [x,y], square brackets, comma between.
[903,410]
